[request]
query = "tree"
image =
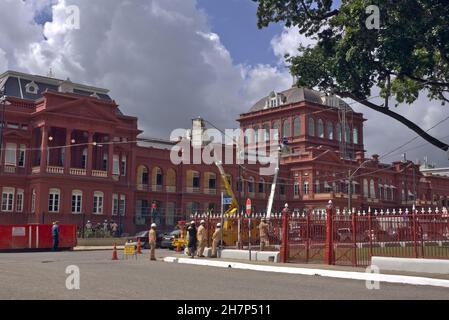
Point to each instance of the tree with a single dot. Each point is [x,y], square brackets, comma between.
[406,56]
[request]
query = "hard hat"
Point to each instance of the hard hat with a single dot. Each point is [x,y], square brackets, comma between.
[153,225]
[202,221]
[286,205]
[219,224]
[88,221]
[192,222]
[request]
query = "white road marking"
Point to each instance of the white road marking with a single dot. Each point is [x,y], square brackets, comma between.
[423,281]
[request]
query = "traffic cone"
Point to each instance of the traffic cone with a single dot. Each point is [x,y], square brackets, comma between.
[114,253]
[139,249]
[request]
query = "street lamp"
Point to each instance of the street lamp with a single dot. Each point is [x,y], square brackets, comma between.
[350,175]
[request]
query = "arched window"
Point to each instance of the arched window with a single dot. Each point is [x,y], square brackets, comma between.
[157,176]
[250,185]
[372,190]
[348,135]
[266,131]
[98,202]
[320,128]
[261,185]
[77,201]
[142,175]
[355,136]
[338,129]
[365,188]
[256,134]
[275,133]
[296,127]
[317,186]
[311,127]
[84,159]
[286,129]
[248,136]
[330,131]
[306,187]
[171,180]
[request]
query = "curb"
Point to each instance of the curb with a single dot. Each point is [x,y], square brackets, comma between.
[317,272]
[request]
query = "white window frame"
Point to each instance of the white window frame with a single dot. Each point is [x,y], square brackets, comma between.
[98,203]
[122,204]
[116,164]
[115,204]
[54,200]
[77,202]
[22,156]
[19,200]
[7,199]
[11,154]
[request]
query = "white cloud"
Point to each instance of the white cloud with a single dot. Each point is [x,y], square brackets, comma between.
[166,66]
[288,42]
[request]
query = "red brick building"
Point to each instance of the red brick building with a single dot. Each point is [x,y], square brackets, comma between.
[70,154]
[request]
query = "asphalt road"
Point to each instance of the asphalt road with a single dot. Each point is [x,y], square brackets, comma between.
[42,276]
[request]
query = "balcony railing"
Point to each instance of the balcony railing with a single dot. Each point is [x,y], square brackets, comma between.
[156,188]
[36,170]
[78,172]
[9,169]
[55,170]
[192,190]
[170,189]
[99,173]
[210,191]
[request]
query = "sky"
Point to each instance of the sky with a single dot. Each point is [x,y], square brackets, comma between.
[168,61]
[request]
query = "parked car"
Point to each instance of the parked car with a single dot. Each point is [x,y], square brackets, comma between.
[167,239]
[143,236]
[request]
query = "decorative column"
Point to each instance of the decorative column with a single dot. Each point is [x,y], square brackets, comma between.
[68,151]
[90,153]
[44,146]
[329,245]
[110,155]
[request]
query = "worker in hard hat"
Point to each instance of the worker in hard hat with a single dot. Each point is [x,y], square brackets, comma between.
[216,237]
[202,238]
[191,230]
[152,240]
[263,234]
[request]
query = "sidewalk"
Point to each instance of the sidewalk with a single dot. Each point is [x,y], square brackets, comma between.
[95,248]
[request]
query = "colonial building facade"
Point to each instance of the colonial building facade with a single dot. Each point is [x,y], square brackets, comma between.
[70,154]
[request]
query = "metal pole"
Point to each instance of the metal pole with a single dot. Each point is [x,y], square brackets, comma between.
[249,236]
[349,191]
[222,224]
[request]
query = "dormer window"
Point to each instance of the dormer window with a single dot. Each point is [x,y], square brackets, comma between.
[274,100]
[32,88]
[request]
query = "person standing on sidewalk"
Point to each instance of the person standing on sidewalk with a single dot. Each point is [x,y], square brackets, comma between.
[216,237]
[201,236]
[152,240]
[55,235]
[192,239]
[263,234]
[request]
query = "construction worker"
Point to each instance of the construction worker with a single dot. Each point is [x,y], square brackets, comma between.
[216,237]
[191,230]
[263,234]
[202,238]
[152,240]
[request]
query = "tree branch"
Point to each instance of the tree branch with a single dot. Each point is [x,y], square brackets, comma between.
[432,83]
[319,17]
[411,125]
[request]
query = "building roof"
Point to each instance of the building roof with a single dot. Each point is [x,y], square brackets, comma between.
[298,94]
[31,87]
